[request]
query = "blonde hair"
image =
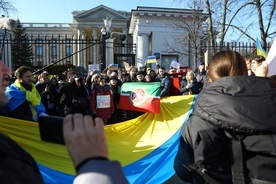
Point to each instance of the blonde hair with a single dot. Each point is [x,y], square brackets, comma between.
[190,72]
[94,76]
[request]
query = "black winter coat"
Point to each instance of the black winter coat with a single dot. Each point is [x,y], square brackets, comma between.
[241,104]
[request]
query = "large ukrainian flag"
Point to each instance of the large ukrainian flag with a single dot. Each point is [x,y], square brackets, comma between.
[145,146]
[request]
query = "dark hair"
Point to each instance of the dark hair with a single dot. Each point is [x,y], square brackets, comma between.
[162,68]
[227,63]
[21,70]
[259,58]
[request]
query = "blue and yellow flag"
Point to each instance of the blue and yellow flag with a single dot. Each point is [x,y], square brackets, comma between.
[145,146]
[151,59]
[260,50]
[113,67]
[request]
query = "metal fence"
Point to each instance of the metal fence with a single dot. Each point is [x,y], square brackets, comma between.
[52,49]
[246,49]
[66,51]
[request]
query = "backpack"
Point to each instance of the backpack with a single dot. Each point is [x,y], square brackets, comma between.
[228,157]
[16,165]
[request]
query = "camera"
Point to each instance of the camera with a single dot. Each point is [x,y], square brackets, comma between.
[51,129]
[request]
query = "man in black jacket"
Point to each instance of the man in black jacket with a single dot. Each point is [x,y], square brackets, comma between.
[165,82]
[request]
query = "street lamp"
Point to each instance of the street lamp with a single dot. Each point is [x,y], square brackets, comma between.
[105,35]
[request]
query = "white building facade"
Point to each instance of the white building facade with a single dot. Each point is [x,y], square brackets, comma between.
[148,30]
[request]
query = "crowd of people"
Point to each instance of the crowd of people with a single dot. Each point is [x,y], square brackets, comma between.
[97,94]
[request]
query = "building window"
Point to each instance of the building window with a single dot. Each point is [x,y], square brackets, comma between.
[54,51]
[54,48]
[39,50]
[68,50]
[39,47]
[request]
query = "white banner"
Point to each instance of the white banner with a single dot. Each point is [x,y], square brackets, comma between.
[271,59]
[174,64]
[93,67]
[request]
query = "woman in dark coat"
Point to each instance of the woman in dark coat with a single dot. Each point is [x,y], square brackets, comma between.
[232,102]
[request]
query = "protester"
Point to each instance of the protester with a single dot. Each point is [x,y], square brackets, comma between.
[74,96]
[24,100]
[16,165]
[131,76]
[189,84]
[153,76]
[148,78]
[48,93]
[259,66]
[200,75]
[165,82]
[233,107]
[140,77]
[117,116]
[101,101]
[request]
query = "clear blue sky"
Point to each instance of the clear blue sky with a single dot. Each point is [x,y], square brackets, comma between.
[60,11]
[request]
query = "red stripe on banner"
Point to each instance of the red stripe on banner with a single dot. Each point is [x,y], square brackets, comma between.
[149,104]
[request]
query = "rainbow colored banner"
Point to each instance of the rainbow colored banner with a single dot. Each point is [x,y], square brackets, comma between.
[145,146]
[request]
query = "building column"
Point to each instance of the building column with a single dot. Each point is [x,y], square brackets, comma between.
[75,48]
[45,52]
[95,53]
[83,61]
[125,41]
[109,52]
[79,47]
[142,49]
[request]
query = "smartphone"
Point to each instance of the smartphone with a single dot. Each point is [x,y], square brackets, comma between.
[51,129]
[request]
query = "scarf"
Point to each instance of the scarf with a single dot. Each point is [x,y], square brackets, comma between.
[32,96]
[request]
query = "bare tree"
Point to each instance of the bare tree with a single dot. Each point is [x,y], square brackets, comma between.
[269,7]
[6,8]
[239,19]
[190,41]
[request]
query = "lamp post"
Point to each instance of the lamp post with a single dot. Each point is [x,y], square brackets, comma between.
[105,35]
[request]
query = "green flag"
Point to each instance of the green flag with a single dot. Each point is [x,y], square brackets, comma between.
[140,96]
